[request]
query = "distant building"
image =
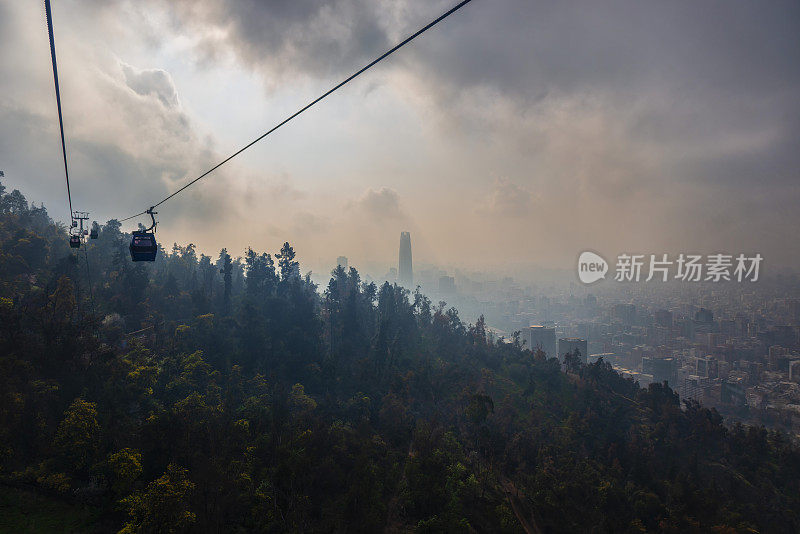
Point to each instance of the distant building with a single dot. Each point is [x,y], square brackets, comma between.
[542,337]
[447,285]
[779,357]
[754,371]
[663,318]
[662,369]
[570,344]
[608,357]
[784,335]
[643,379]
[693,387]
[703,323]
[406,270]
[707,367]
[794,370]
[625,313]
[341,261]
[733,392]
[792,304]
[723,369]
[704,316]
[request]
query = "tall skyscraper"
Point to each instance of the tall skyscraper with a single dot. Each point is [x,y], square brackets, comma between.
[406,271]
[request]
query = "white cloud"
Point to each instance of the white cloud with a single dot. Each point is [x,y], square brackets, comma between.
[154,82]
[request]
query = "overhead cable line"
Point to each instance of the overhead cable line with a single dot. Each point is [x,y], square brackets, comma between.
[58,99]
[307,106]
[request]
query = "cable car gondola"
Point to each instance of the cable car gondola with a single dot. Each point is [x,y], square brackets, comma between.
[143,242]
[74,241]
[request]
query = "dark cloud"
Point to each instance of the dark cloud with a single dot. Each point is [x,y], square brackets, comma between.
[528,49]
[679,75]
[286,37]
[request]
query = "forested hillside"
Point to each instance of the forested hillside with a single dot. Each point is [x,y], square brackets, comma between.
[229,394]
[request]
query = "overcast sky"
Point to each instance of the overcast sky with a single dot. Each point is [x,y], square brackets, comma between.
[516,132]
